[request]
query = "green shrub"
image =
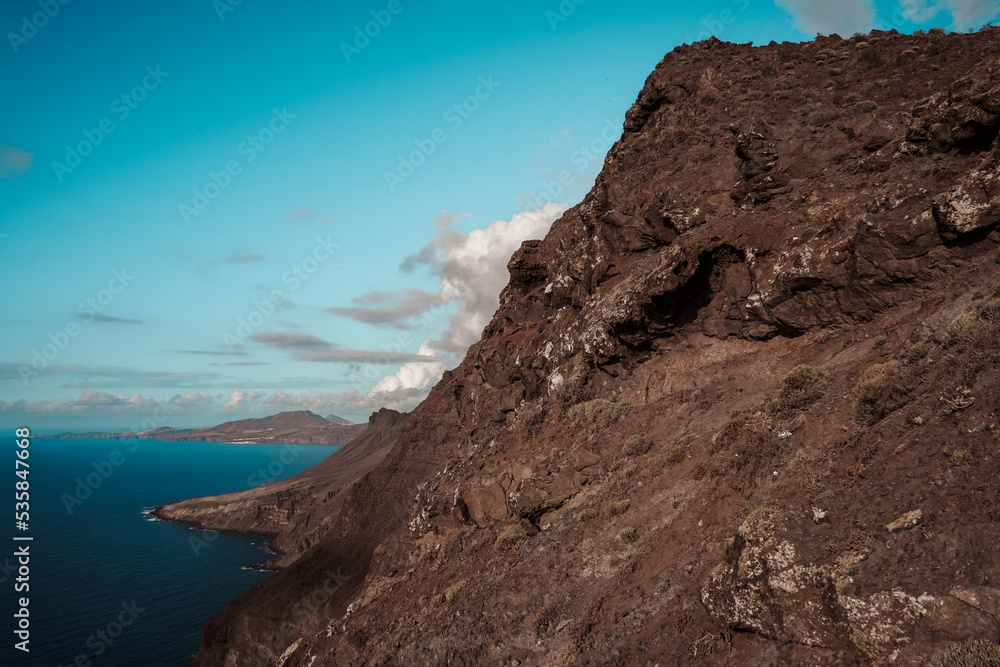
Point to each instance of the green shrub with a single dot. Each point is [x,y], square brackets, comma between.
[599,411]
[803,386]
[588,514]
[636,446]
[511,537]
[973,653]
[631,471]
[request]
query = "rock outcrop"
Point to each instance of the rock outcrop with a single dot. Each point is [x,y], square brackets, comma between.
[626,469]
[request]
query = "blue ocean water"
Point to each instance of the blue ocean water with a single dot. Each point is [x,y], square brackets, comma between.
[108,585]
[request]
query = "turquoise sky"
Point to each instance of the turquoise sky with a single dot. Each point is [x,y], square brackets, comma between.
[205,206]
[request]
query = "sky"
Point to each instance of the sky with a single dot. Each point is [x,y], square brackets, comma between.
[219,209]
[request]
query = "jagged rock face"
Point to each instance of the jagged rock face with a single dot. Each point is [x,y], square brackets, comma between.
[831,203]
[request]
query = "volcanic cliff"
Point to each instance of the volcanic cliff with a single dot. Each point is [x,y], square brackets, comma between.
[738,407]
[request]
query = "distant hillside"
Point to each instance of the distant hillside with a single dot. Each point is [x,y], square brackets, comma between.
[297,427]
[334,419]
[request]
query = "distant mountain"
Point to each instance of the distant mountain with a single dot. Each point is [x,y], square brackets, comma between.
[297,427]
[334,419]
[282,420]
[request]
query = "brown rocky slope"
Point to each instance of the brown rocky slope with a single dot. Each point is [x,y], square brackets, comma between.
[630,467]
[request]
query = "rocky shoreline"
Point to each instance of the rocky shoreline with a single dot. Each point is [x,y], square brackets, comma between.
[290,512]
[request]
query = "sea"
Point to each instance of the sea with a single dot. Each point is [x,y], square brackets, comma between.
[107,583]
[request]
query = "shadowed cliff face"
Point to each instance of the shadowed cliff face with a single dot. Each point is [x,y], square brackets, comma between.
[623,470]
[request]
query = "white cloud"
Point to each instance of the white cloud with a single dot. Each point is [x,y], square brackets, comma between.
[412,375]
[919,11]
[239,400]
[844,17]
[972,14]
[472,269]
[965,14]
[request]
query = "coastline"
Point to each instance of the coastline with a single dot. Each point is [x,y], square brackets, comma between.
[267,536]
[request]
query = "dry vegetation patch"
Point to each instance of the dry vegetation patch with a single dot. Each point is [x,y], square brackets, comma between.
[628,535]
[751,443]
[601,412]
[636,446]
[973,653]
[803,386]
[617,508]
[511,537]
[879,391]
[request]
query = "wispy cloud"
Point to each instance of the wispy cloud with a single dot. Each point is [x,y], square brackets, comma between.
[113,376]
[966,14]
[243,256]
[306,347]
[215,353]
[308,216]
[389,309]
[107,319]
[446,219]
[844,17]
[290,340]
[147,379]
[243,363]
[13,160]
[96,403]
